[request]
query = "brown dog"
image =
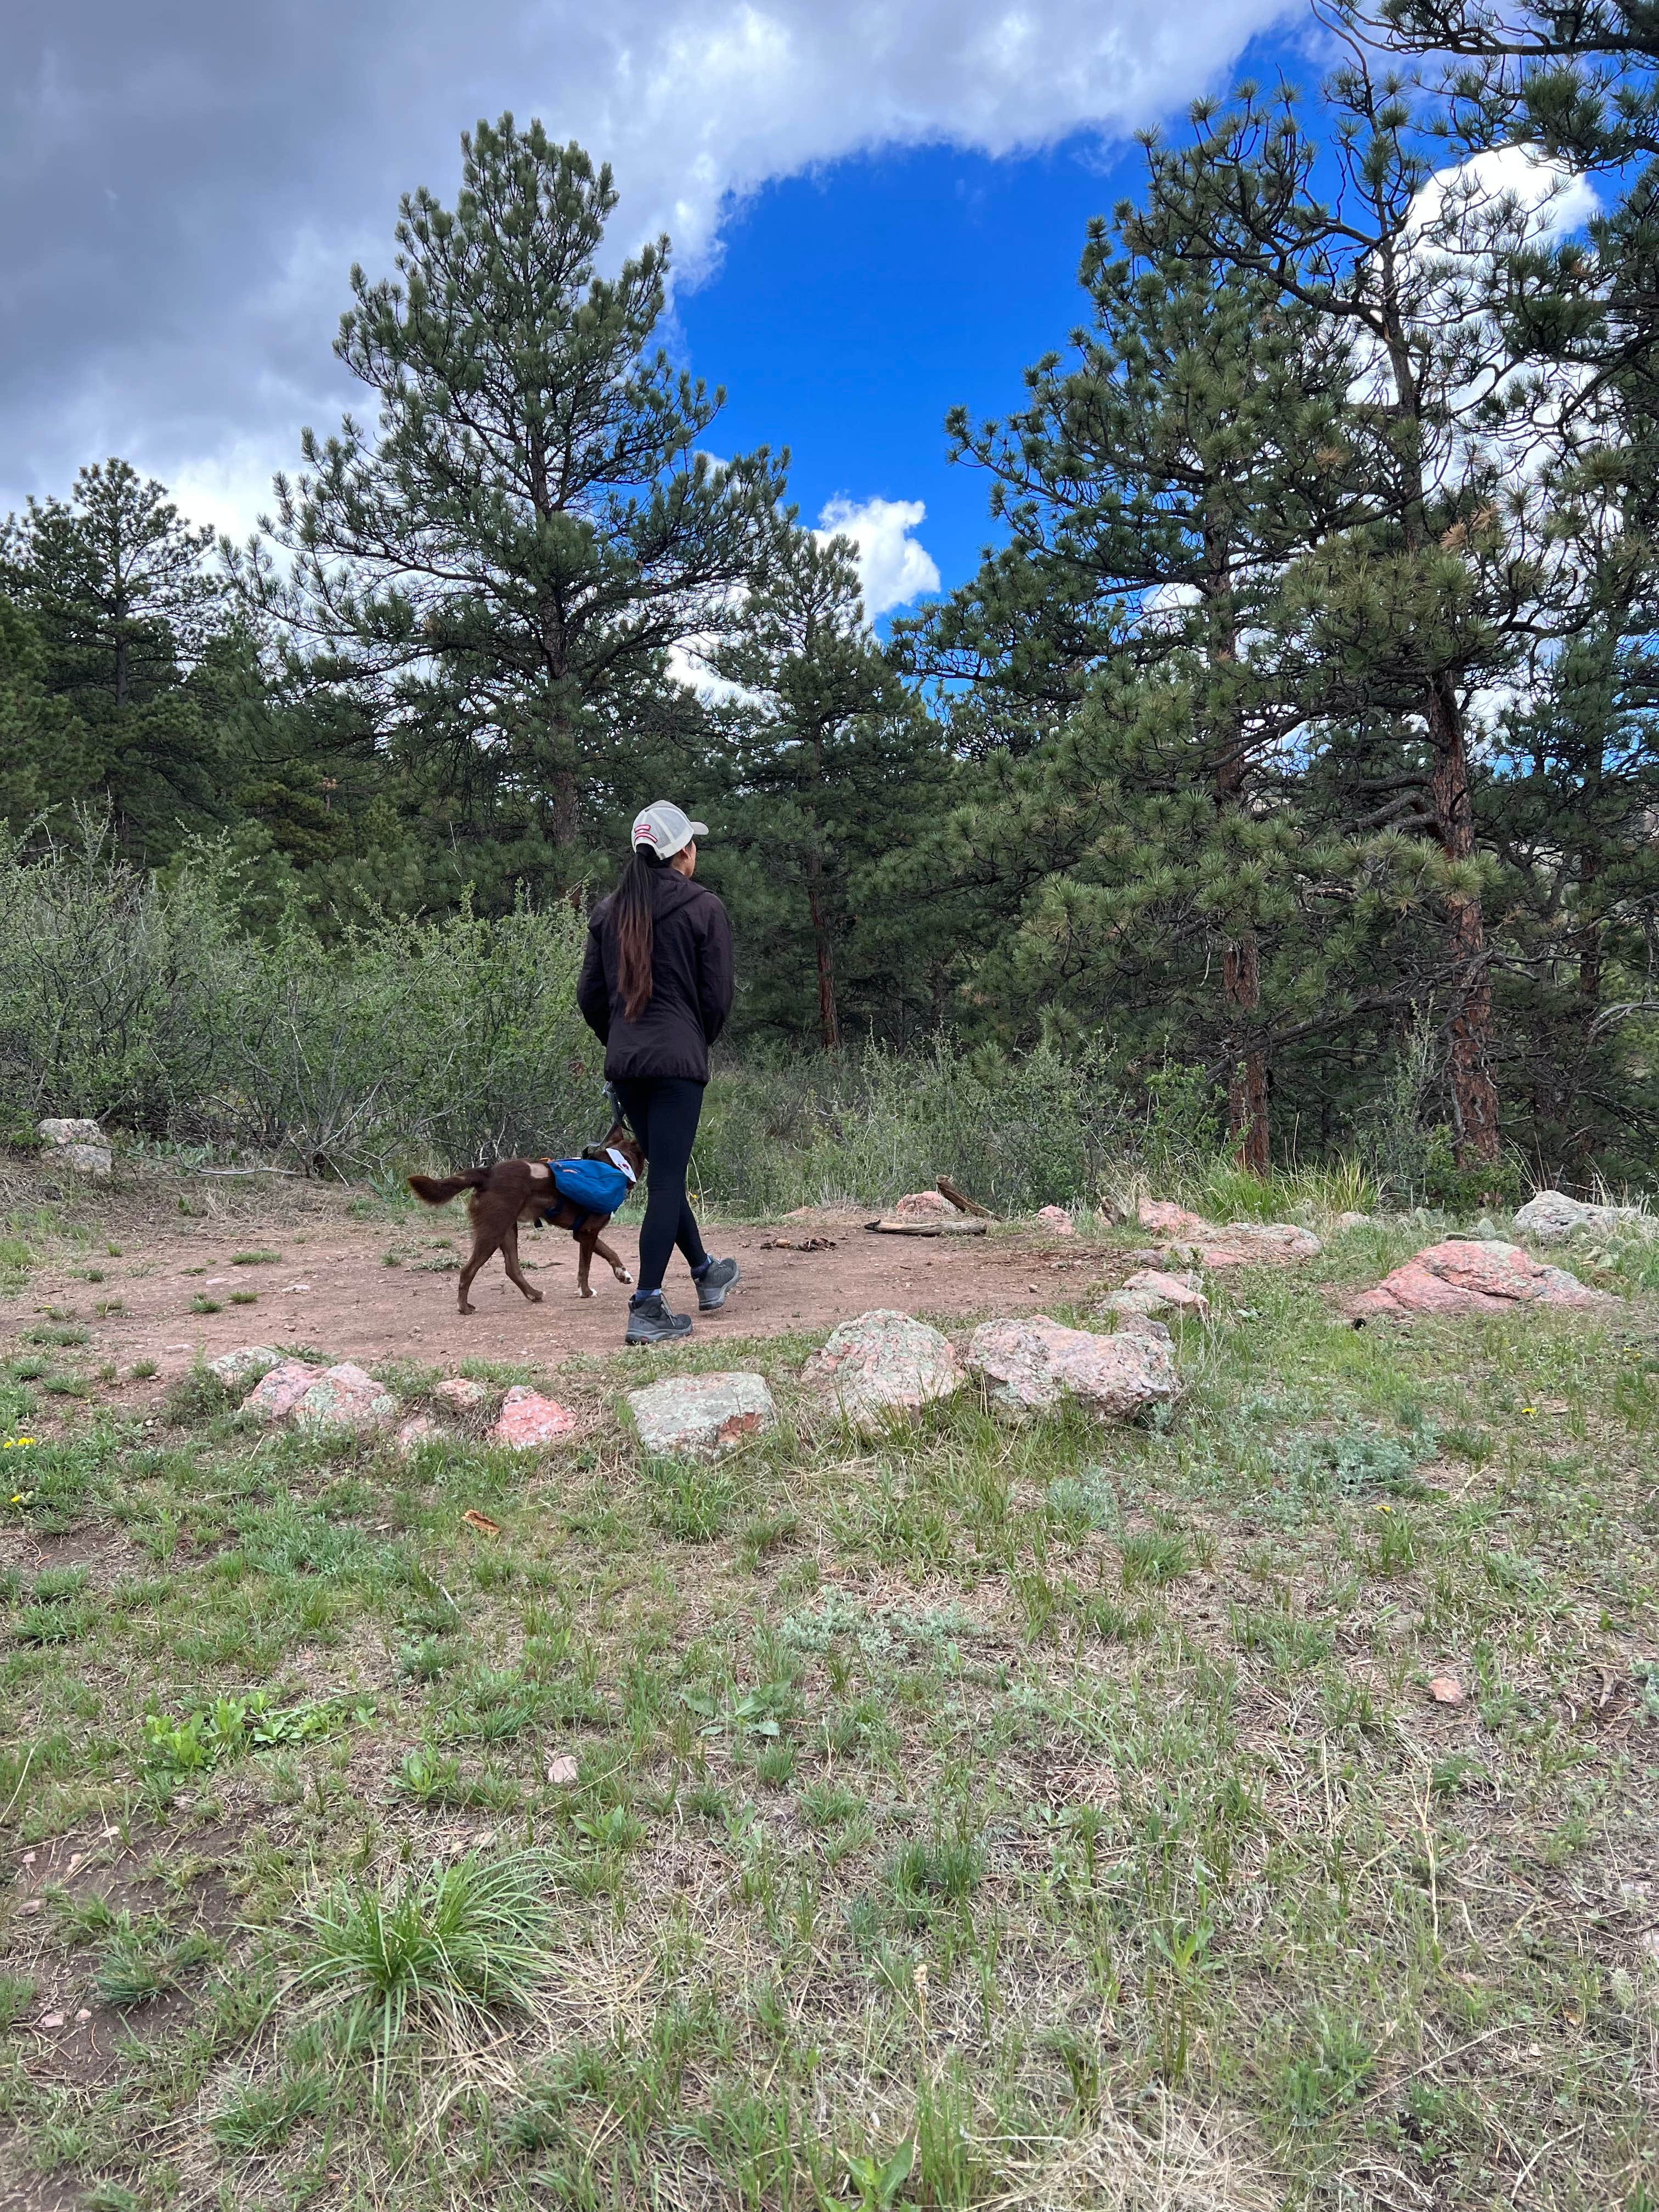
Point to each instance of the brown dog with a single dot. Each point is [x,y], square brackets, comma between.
[522,1190]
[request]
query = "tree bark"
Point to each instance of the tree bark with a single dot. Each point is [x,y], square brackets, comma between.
[564,815]
[1247,1075]
[1587,937]
[1241,963]
[1474,1094]
[828,1012]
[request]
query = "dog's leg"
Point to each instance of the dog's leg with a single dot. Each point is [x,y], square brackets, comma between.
[584,1260]
[611,1260]
[483,1245]
[515,1273]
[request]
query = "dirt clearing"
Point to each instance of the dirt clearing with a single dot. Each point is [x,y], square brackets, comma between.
[302,1266]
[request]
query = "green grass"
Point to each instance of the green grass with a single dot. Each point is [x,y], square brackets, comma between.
[447,1945]
[1044,1815]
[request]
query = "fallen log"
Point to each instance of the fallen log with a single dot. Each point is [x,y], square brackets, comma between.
[960,1199]
[929,1228]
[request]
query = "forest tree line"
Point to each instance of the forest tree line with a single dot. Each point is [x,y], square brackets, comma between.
[1298,728]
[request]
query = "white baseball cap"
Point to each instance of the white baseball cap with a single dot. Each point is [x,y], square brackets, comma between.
[666,829]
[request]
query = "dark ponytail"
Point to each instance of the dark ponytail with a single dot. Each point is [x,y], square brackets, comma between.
[631,913]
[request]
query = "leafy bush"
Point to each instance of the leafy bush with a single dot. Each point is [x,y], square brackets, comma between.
[148,1002]
[1015,1132]
[142,999]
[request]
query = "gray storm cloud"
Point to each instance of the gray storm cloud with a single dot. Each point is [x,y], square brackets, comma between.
[186,185]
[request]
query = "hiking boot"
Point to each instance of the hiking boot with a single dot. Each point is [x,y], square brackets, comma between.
[649,1321]
[716,1280]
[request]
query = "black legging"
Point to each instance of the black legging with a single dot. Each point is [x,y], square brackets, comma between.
[662,1111]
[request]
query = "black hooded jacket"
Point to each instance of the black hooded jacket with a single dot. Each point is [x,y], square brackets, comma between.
[690,984]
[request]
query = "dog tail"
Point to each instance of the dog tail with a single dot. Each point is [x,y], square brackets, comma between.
[438,1190]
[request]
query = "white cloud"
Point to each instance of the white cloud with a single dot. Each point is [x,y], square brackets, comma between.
[227,488]
[706,99]
[182,194]
[1477,192]
[893,567]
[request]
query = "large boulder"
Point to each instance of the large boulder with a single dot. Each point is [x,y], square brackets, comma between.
[702,1412]
[1057,1220]
[1474,1275]
[80,1144]
[1552,1217]
[275,1394]
[346,1397]
[527,1420]
[883,1363]
[1150,1292]
[1029,1365]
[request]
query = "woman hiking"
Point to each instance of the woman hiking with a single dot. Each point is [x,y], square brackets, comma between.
[655,989]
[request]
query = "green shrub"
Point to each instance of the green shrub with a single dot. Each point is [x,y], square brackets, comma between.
[1017,1132]
[144,1000]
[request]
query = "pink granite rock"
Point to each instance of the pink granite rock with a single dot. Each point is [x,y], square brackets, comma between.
[528,1420]
[1056,1219]
[346,1397]
[1469,1275]
[925,1206]
[275,1394]
[1029,1365]
[460,1395]
[1150,1292]
[883,1363]
[1140,1324]
[419,1429]
[1237,1244]
[1171,1220]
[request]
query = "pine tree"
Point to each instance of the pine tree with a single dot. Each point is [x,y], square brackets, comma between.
[831,757]
[1578,87]
[1576,82]
[1155,485]
[506,561]
[127,612]
[1436,587]
[44,767]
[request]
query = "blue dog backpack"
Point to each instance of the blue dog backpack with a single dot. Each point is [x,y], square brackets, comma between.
[596,1186]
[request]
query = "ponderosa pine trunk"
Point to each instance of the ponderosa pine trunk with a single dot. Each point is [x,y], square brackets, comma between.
[829,1012]
[1474,1094]
[564,811]
[1241,960]
[1587,937]
[1247,1076]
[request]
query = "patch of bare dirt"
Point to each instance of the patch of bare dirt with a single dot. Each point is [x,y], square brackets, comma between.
[380,1290]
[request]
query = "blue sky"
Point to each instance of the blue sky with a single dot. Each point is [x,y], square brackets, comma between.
[877,208]
[853,306]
